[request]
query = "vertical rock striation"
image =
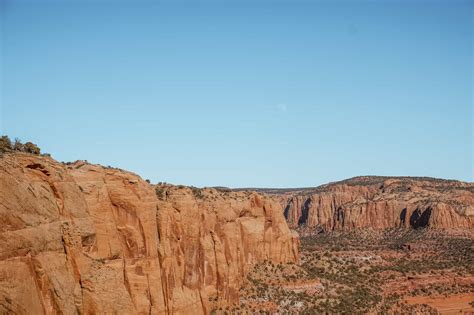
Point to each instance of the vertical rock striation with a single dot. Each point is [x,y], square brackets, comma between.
[84,239]
[382,202]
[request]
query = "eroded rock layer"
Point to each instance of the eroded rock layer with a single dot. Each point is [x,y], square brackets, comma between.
[84,239]
[380,203]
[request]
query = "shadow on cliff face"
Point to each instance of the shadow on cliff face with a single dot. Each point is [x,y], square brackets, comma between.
[287,210]
[403,217]
[304,212]
[39,167]
[340,216]
[419,219]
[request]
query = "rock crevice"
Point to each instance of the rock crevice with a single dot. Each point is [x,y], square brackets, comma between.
[380,203]
[80,238]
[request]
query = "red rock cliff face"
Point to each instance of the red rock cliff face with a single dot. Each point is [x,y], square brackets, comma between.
[380,203]
[86,239]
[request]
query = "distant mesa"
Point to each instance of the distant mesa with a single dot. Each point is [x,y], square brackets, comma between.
[379,202]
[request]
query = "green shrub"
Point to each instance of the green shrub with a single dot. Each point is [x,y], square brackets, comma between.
[160,192]
[197,192]
[18,146]
[5,144]
[32,148]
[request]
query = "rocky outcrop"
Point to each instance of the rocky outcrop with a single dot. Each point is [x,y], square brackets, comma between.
[81,238]
[380,203]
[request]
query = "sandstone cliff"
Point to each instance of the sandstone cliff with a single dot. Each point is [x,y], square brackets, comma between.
[81,238]
[381,202]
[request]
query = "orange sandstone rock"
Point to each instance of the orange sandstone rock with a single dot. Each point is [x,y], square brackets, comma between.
[81,238]
[382,202]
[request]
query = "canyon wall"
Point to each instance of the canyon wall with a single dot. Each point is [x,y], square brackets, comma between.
[84,239]
[380,203]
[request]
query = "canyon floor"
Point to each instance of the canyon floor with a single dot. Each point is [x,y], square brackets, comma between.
[396,271]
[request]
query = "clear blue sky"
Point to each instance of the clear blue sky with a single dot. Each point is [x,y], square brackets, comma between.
[243,93]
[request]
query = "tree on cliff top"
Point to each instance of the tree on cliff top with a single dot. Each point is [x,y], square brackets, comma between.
[17,145]
[32,148]
[7,146]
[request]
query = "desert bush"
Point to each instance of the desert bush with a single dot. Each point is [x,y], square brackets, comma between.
[197,192]
[32,148]
[160,192]
[17,145]
[5,144]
